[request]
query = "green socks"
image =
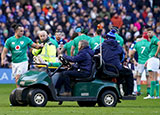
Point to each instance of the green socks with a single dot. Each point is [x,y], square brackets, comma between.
[157,88]
[153,83]
[139,88]
[148,90]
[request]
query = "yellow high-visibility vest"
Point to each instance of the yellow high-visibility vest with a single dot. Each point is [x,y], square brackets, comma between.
[47,53]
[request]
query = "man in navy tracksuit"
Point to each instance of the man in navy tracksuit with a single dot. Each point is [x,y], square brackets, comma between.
[112,53]
[81,70]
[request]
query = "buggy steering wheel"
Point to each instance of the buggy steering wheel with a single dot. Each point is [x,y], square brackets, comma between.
[64,61]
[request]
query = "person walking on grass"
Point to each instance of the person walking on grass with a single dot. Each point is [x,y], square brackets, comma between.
[18,45]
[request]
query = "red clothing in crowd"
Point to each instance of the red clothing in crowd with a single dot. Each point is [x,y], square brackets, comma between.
[117,21]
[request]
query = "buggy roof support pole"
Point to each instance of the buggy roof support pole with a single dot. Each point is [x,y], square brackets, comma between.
[99,27]
[100,51]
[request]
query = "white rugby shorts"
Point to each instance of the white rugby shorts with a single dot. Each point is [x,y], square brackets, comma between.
[142,68]
[153,64]
[19,68]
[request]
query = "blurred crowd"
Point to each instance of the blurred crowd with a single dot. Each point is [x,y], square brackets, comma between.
[130,16]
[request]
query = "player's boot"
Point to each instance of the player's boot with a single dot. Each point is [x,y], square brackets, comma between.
[149,97]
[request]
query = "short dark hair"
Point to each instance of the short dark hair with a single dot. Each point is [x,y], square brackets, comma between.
[15,26]
[58,31]
[99,31]
[139,36]
[90,34]
[74,35]
[149,29]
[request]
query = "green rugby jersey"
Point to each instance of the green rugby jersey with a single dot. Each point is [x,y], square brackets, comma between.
[142,48]
[76,41]
[54,42]
[119,39]
[153,46]
[68,46]
[18,48]
[95,41]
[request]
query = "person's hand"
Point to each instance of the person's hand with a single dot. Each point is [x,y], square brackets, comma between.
[145,65]
[60,55]
[135,63]
[41,45]
[2,63]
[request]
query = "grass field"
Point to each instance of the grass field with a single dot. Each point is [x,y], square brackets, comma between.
[137,107]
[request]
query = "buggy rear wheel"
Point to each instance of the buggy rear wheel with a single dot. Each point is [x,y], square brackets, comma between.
[108,99]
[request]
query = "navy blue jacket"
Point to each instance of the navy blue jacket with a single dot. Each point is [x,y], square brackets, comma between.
[83,58]
[112,53]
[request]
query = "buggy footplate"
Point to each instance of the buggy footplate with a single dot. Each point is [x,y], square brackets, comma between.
[129,98]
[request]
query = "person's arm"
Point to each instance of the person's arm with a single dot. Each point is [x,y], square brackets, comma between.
[131,53]
[122,57]
[72,50]
[63,50]
[37,46]
[77,58]
[3,55]
[158,49]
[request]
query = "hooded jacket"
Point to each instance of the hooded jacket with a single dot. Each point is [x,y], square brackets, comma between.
[112,53]
[83,59]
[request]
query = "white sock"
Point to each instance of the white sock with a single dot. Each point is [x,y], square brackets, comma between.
[135,86]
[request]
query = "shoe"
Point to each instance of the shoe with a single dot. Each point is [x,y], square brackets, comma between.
[148,94]
[134,93]
[65,94]
[149,97]
[138,93]
[60,102]
[157,97]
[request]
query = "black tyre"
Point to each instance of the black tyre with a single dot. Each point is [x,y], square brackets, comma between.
[108,99]
[86,103]
[37,98]
[15,102]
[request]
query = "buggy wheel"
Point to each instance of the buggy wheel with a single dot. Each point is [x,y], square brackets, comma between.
[86,103]
[108,99]
[37,98]
[15,102]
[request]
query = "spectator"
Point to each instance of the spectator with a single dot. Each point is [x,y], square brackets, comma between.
[46,7]
[117,20]
[2,17]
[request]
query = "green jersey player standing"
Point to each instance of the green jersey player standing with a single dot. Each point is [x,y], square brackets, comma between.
[18,45]
[67,46]
[119,39]
[153,63]
[95,41]
[142,49]
[81,36]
